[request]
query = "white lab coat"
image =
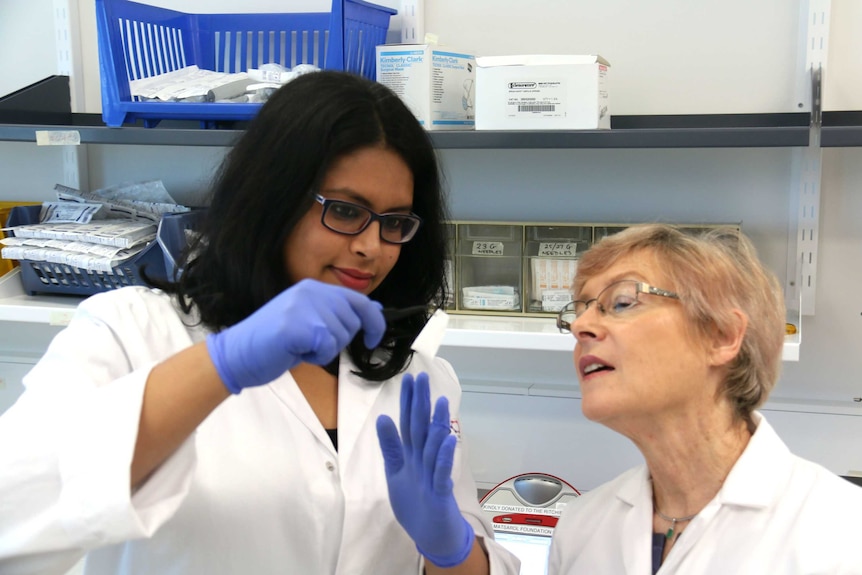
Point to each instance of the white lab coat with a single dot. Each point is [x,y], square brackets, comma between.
[776,514]
[258,488]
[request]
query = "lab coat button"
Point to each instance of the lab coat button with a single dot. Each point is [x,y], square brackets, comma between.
[330,466]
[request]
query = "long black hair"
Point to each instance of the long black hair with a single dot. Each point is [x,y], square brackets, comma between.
[265,186]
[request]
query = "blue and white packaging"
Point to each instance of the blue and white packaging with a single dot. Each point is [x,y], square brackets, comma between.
[436,83]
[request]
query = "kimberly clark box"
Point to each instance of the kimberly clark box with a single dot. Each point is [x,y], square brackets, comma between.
[542,92]
[435,82]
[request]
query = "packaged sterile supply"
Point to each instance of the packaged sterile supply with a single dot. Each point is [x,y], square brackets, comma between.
[436,83]
[542,92]
[552,251]
[551,283]
[121,234]
[496,298]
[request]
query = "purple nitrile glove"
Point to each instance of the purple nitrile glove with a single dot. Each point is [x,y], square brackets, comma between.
[418,468]
[308,322]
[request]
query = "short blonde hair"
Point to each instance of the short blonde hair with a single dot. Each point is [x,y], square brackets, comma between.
[713,272]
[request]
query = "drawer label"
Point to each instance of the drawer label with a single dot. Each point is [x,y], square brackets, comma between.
[487,248]
[558,249]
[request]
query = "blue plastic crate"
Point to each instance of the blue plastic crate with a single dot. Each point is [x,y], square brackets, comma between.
[138,41]
[173,237]
[51,278]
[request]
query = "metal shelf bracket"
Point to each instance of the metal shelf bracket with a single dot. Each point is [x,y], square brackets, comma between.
[804,220]
[70,63]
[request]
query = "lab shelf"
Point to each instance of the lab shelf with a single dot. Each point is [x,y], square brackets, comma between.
[667,137]
[464,331]
[37,112]
[16,305]
[541,334]
[129,136]
[44,107]
[841,137]
[841,130]
[506,332]
[770,130]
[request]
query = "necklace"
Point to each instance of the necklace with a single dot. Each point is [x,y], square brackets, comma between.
[673,521]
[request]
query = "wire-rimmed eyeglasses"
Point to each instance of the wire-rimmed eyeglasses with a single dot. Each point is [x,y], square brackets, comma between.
[352,219]
[616,299]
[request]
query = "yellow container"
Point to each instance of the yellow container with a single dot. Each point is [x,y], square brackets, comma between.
[6,207]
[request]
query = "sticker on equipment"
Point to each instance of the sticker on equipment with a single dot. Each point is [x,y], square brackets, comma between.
[531,98]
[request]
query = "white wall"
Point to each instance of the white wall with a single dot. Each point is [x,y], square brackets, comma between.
[843,77]
[28,49]
[668,57]
[28,53]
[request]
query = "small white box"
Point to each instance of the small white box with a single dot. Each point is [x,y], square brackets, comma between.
[436,83]
[542,92]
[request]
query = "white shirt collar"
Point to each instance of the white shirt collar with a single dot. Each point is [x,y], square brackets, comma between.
[755,480]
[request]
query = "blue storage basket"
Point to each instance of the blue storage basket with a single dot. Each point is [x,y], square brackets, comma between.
[138,41]
[173,238]
[51,278]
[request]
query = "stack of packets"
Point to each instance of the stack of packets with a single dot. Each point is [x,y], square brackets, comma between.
[552,281]
[193,84]
[92,230]
[491,297]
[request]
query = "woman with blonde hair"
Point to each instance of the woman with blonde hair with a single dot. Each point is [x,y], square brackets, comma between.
[679,340]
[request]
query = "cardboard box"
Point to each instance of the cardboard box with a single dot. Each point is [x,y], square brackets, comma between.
[436,83]
[542,92]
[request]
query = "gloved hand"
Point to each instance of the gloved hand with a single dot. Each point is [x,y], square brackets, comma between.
[418,472]
[309,322]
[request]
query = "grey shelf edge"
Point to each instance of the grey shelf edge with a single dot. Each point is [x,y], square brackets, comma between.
[744,137]
[128,136]
[841,136]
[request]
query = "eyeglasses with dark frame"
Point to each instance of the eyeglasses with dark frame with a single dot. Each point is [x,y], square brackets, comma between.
[351,219]
[615,300]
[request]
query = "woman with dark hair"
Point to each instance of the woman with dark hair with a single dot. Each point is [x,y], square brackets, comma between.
[227,422]
[269,182]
